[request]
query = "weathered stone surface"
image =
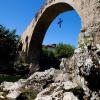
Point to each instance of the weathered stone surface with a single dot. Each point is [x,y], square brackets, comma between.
[69,96]
[11,90]
[57,91]
[9,86]
[1,95]
[40,80]
[13,95]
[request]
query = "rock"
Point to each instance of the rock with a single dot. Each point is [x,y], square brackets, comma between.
[1,95]
[78,50]
[88,64]
[40,76]
[69,85]
[60,77]
[57,91]
[44,98]
[69,96]
[98,46]
[13,95]
[73,81]
[40,80]
[63,64]
[95,96]
[88,32]
[12,90]
[10,86]
[5,85]
[80,81]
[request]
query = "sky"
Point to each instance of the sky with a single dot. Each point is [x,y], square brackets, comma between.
[17,14]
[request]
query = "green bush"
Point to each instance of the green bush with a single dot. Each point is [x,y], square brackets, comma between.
[47,53]
[8,45]
[64,50]
[60,51]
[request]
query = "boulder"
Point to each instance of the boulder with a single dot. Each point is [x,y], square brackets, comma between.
[69,96]
[13,95]
[57,91]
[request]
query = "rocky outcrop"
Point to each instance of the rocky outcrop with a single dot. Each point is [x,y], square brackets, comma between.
[38,81]
[10,90]
[58,91]
[83,73]
[77,79]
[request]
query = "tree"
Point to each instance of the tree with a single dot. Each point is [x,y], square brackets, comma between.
[8,45]
[47,53]
[64,50]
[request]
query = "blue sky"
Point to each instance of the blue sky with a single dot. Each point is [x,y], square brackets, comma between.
[17,14]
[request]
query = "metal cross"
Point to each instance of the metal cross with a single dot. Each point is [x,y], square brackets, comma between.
[60,22]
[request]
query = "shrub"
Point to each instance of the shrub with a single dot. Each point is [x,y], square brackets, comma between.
[64,50]
[47,53]
[50,57]
[61,50]
[8,45]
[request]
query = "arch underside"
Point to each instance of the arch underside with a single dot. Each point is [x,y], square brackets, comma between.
[41,27]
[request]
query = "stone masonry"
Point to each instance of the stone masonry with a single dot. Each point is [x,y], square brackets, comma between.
[32,38]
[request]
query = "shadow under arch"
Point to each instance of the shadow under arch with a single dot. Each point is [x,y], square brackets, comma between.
[41,27]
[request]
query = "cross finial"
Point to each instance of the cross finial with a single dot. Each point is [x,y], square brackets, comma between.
[60,22]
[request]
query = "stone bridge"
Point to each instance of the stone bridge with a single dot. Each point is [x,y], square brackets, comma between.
[32,38]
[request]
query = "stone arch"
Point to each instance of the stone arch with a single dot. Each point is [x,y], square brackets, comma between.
[38,27]
[42,25]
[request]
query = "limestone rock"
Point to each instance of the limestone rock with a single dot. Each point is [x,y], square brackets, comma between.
[63,64]
[88,64]
[57,91]
[78,50]
[1,95]
[95,96]
[12,90]
[10,86]
[69,85]
[13,95]
[40,79]
[48,74]
[69,96]
[60,77]
[44,98]
[74,79]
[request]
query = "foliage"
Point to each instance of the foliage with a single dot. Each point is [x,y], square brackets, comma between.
[8,45]
[50,57]
[47,53]
[60,51]
[9,78]
[64,50]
